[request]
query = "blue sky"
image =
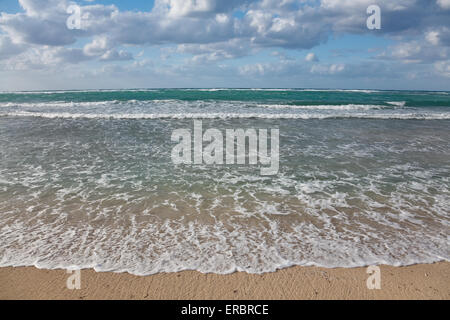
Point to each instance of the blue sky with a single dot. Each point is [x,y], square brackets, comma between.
[234,43]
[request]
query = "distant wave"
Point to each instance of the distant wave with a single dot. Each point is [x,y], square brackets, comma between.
[67,115]
[225,89]
[341,90]
[283,89]
[62,104]
[324,107]
[77,91]
[190,89]
[65,104]
[397,103]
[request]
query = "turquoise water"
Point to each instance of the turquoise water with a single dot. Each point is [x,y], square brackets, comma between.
[86,180]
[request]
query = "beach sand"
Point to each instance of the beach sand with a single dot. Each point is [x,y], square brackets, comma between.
[424,281]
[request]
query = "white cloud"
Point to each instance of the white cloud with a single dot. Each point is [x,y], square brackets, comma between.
[445,4]
[265,24]
[205,53]
[311,57]
[8,48]
[208,32]
[45,9]
[114,55]
[177,8]
[97,47]
[443,68]
[416,52]
[432,37]
[254,69]
[327,69]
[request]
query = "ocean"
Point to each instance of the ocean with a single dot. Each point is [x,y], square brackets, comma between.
[87,180]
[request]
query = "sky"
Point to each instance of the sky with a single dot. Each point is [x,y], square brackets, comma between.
[218,43]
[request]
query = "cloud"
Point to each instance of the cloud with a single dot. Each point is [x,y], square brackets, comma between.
[8,48]
[290,68]
[282,56]
[114,55]
[311,57]
[432,37]
[266,23]
[196,8]
[445,4]
[416,52]
[327,69]
[443,68]
[438,36]
[98,46]
[33,29]
[206,53]
[43,9]
[211,34]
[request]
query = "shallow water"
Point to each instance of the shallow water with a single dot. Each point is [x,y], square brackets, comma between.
[86,180]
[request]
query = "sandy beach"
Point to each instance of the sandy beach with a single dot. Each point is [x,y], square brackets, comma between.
[424,281]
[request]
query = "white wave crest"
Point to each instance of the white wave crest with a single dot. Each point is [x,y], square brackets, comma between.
[67,115]
[397,103]
[323,107]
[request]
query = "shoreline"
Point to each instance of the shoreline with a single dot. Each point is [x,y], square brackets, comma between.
[420,281]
